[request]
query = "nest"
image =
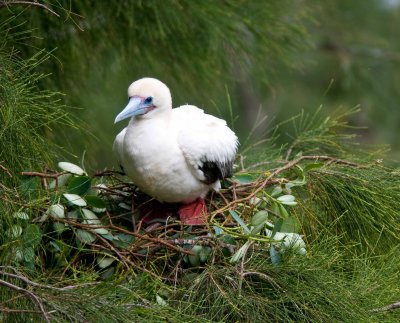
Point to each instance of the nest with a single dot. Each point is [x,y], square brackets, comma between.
[112,234]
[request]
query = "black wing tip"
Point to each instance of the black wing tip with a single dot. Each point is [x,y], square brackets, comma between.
[214,171]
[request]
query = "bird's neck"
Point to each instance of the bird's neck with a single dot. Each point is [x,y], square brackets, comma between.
[159,119]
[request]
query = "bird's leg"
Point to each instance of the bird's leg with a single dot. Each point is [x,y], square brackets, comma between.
[156,211]
[194,212]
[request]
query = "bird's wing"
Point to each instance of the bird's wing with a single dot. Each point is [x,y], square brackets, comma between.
[207,143]
[118,146]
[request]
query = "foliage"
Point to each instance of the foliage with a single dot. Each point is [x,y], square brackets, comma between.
[28,115]
[304,231]
[189,45]
[310,238]
[354,61]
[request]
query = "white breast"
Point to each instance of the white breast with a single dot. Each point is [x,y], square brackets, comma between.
[164,155]
[151,157]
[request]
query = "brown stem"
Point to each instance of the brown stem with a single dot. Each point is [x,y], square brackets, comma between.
[135,234]
[387,307]
[156,240]
[31,295]
[28,3]
[43,175]
[280,170]
[32,283]
[4,169]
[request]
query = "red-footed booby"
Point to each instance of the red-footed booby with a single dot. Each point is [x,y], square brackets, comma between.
[173,155]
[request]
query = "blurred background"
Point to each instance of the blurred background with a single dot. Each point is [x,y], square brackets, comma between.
[241,58]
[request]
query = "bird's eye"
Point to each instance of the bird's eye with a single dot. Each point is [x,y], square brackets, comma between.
[148,100]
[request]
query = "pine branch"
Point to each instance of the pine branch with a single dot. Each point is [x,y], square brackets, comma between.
[386,308]
[17,275]
[4,169]
[260,186]
[30,294]
[6,3]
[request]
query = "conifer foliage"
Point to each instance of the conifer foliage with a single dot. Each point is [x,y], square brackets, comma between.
[307,229]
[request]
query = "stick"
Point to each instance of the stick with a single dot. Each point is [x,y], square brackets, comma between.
[387,308]
[136,235]
[5,170]
[280,170]
[43,175]
[29,3]
[29,282]
[157,240]
[32,296]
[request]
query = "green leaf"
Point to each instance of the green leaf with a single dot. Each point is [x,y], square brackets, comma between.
[14,232]
[228,239]
[21,215]
[279,210]
[277,227]
[275,256]
[60,227]
[61,181]
[79,185]
[98,205]
[55,246]
[218,230]
[106,274]
[29,186]
[75,199]
[108,236]
[205,253]
[161,301]
[73,215]
[95,201]
[85,236]
[71,168]
[276,191]
[195,259]
[104,261]
[122,240]
[313,166]
[287,199]
[290,225]
[92,219]
[275,208]
[55,210]
[258,221]
[239,254]
[32,235]
[124,206]
[259,218]
[243,178]
[237,218]
[28,254]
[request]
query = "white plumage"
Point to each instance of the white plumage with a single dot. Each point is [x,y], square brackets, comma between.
[174,155]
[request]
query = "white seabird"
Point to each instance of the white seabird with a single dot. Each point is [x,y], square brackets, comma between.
[173,155]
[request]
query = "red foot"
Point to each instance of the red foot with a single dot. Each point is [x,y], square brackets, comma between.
[194,212]
[156,210]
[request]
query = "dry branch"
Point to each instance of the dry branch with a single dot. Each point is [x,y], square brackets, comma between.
[30,294]
[6,3]
[386,308]
[260,186]
[4,169]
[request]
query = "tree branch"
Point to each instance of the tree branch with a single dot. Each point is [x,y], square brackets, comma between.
[279,170]
[16,275]
[43,175]
[387,308]
[31,295]
[5,170]
[5,3]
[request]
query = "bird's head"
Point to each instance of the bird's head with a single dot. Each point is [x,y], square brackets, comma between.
[147,98]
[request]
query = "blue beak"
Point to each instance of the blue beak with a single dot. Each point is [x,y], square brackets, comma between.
[134,107]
